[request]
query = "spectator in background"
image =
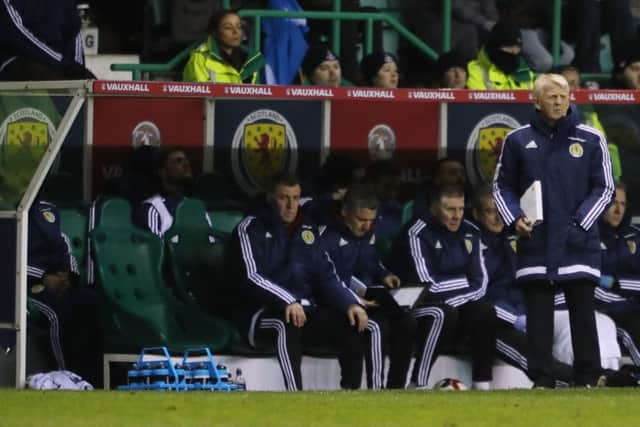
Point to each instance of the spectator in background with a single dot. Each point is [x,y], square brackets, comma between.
[284,44]
[535,18]
[451,71]
[626,71]
[589,115]
[380,69]
[471,21]
[589,19]
[40,40]
[222,58]
[321,30]
[321,67]
[500,64]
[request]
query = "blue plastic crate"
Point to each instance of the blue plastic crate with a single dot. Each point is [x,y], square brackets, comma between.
[151,373]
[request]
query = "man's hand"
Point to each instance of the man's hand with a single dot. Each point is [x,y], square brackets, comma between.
[391,281]
[57,283]
[294,313]
[357,317]
[523,227]
[369,303]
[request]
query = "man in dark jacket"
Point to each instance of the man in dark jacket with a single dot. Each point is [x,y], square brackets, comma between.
[52,286]
[443,253]
[287,290]
[349,238]
[571,161]
[620,280]
[40,40]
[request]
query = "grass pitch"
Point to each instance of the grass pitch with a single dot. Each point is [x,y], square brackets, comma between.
[597,407]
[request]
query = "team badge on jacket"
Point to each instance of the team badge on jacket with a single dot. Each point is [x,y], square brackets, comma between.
[576,150]
[49,216]
[632,246]
[468,244]
[514,245]
[308,237]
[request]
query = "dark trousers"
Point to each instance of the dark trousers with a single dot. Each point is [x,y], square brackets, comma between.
[511,345]
[398,330]
[539,299]
[475,321]
[75,333]
[324,327]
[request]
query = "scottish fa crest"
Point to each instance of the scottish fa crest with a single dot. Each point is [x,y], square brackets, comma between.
[26,129]
[264,145]
[485,145]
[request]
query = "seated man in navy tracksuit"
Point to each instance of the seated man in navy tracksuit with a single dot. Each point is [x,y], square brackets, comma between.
[619,289]
[349,238]
[174,178]
[444,253]
[71,310]
[286,289]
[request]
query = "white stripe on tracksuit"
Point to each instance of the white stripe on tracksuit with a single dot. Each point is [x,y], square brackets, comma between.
[501,204]
[602,202]
[283,354]
[424,364]
[54,331]
[511,353]
[17,21]
[73,264]
[377,358]
[627,341]
[250,265]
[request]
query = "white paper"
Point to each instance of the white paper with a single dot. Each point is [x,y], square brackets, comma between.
[407,296]
[531,203]
[357,286]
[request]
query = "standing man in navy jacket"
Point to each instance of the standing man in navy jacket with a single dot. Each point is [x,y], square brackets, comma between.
[287,290]
[40,40]
[572,163]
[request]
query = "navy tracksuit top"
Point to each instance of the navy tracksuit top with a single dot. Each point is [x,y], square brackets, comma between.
[572,163]
[450,264]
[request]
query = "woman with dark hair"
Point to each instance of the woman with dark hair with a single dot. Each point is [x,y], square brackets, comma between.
[222,58]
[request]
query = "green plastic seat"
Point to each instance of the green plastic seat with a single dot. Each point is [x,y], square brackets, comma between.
[73,222]
[140,311]
[223,222]
[196,257]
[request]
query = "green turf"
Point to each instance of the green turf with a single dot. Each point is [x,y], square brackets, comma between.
[602,407]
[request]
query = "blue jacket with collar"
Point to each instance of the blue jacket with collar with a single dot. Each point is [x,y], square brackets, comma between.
[450,264]
[572,163]
[500,259]
[621,259]
[355,258]
[273,265]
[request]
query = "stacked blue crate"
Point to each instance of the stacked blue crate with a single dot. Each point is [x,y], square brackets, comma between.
[203,373]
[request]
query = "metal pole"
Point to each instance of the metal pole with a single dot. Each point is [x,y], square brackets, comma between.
[446,25]
[557,31]
[369,36]
[337,7]
[257,32]
[23,228]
